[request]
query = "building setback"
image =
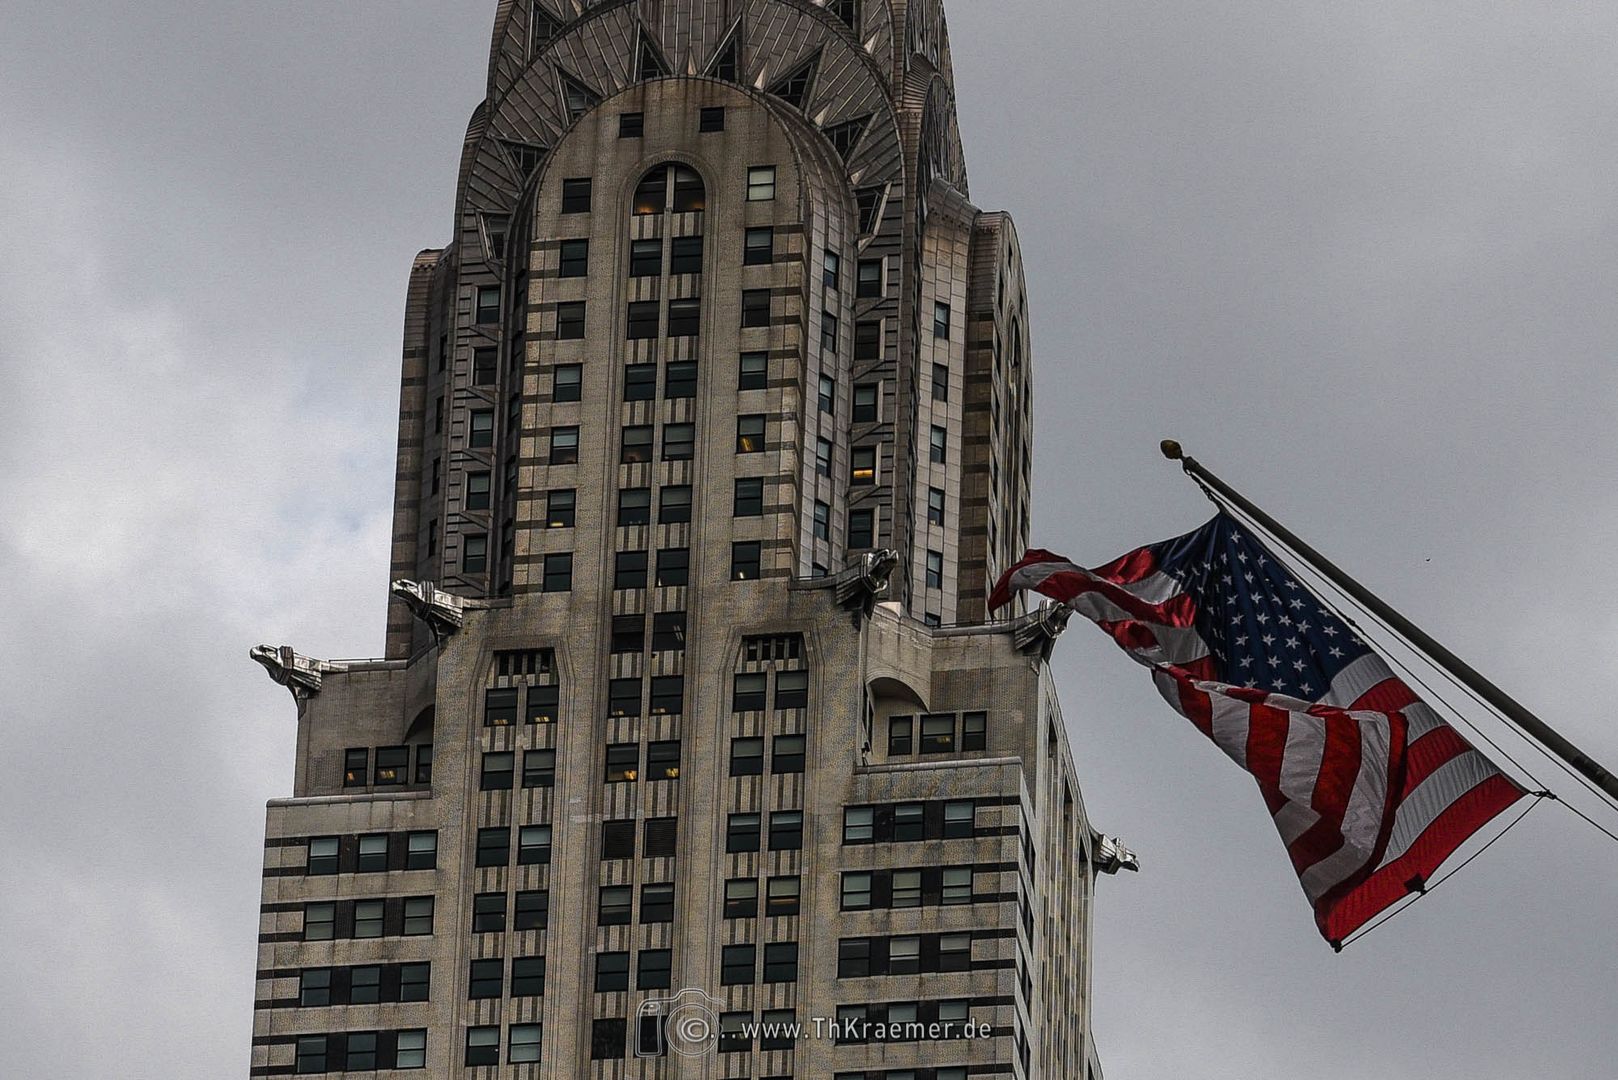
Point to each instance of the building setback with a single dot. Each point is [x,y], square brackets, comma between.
[714,430]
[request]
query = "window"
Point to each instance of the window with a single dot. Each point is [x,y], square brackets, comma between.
[935,569]
[904,955]
[711,119]
[570,321]
[483,1045]
[940,382]
[868,340]
[758,246]
[859,824]
[857,891]
[754,371]
[736,965]
[685,257]
[673,566]
[651,194]
[827,397]
[642,319]
[322,857]
[685,316]
[786,756]
[559,508]
[494,846]
[629,570]
[974,731]
[791,689]
[755,307]
[636,445]
[662,837]
[628,633]
[314,987]
[487,979]
[823,454]
[438,476]
[906,888]
[418,916]
[524,1043]
[528,975]
[957,885]
[937,445]
[319,922]
[954,952]
[786,830]
[653,969]
[574,258]
[935,506]
[941,320]
[781,961]
[576,195]
[679,442]
[564,446]
[741,898]
[782,898]
[617,840]
[662,758]
[424,763]
[612,970]
[680,379]
[742,833]
[558,573]
[746,757]
[623,763]
[853,958]
[498,770]
[870,279]
[861,528]
[483,366]
[534,845]
[640,382]
[865,404]
[544,704]
[631,125]
[657,903]
[689,196]
[488,304]
[959,819]
[533,912]
[368,918]
[475,554]
[482,429]
[311,1054]
[828,332]
[862,466]
[623,697]
[668,632]
[749,434]
[733,1036]
[489,913]
[831,269]
[749,497]
[607,1039]
[749,691]
[910,821]
[364,984]
[901,731]
[761,183]
[478,485]
[745,561]
[645,260]
[634,506]
[411,1050]
[614,905]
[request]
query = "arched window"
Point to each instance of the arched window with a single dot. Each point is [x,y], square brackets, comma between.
[651,194]
[689,195]
[676,188]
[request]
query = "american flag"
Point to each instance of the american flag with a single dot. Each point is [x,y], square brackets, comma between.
[1369,788]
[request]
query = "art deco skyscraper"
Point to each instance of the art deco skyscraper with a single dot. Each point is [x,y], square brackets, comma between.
[714,430]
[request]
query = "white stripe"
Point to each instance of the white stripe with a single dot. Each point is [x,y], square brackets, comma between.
[1154,588]
[1175,644]
[1420,718]
[1293,820]
[1433,796]
[1232,720]
[1300,766]
[1362,820]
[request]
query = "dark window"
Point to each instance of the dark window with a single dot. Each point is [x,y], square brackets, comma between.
[539,768]
[475,553]
[483,1045]
[904,955]
[564,446]
[906,889]
[679,442]
[640,382]
[663,757]
[736,965]
[781,961]
[960,819]
[528,972]
[482,429]
[488,304]
[935,506]
[607,1038]
[938,734]
[629,570]
[862,465]
[711,119]
[689,196]
[499,769]
[940,382]
[566,383]
[662,837]
[623,763]
[372,856]
[544,702]
[635,506]
[941,320]
[685,257]
[749,434]
[776,1027]
[685,317]
[484,363]
[831,269]
[974,731]
[749,500]
[909,822]
[870,281]
[478,488]
[361,1044]
[754,371]
[861,528]
[534,845]
[865,404]
[742,833]
[533,911]
[938,445]
[574,259]
[646,260]
[755,307]
[827,397]
[749,690]
[314,986]
[418,916]
[741,898]
[935,570]
[319,922]
[623,697]
[653,969]
[733,1033]
[657,903]
[828,332]
[628,633]
[322,855]
[786,755]
[673,566]
[494,846]
[558,573]
[746,757]
[631,125]
[674,504]
[612,969]
[954,952]
[576,195]
[901,735]
[424,763]
[791,689]
[489,913]
[857,891]
[570,321]
[680,379]
[668,631]
[784,897]
[310,1054]
[758,246]
[617,840]
[786,830]
[868,340]
[668,694]
[356,767]
[853,958]
[642,319]
[559,508]
[487,979]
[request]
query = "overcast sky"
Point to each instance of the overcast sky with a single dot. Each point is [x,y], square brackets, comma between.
[1359,258]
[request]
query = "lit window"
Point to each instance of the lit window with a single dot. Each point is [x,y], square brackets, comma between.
[651,194]
[356,767]
[623,763]
[761,183]
[559,509]
[662,757]
[543,704]
[745,561]
[689,195]
[749,434]
[862,465]
[668,694]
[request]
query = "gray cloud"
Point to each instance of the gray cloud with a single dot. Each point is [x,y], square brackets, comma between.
[1360,260]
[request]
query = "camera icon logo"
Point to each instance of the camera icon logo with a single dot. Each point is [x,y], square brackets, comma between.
[685,1023]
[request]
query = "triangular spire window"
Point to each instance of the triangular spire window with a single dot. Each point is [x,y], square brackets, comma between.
[727,62]
[542,26]
[650,64]
[847,135]
[578,97]
[794,87]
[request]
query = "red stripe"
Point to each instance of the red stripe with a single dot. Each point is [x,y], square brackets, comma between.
[1138,565]
[1389,695]
[1266,744]
[1334,786]
[1430,753]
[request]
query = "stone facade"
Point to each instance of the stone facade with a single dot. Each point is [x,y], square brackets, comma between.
[714,430]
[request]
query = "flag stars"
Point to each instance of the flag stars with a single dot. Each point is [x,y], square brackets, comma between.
[1292,643]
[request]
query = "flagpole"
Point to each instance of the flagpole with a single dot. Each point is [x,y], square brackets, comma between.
[1507,705]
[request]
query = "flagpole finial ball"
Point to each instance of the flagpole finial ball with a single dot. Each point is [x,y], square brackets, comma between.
[1171,450]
